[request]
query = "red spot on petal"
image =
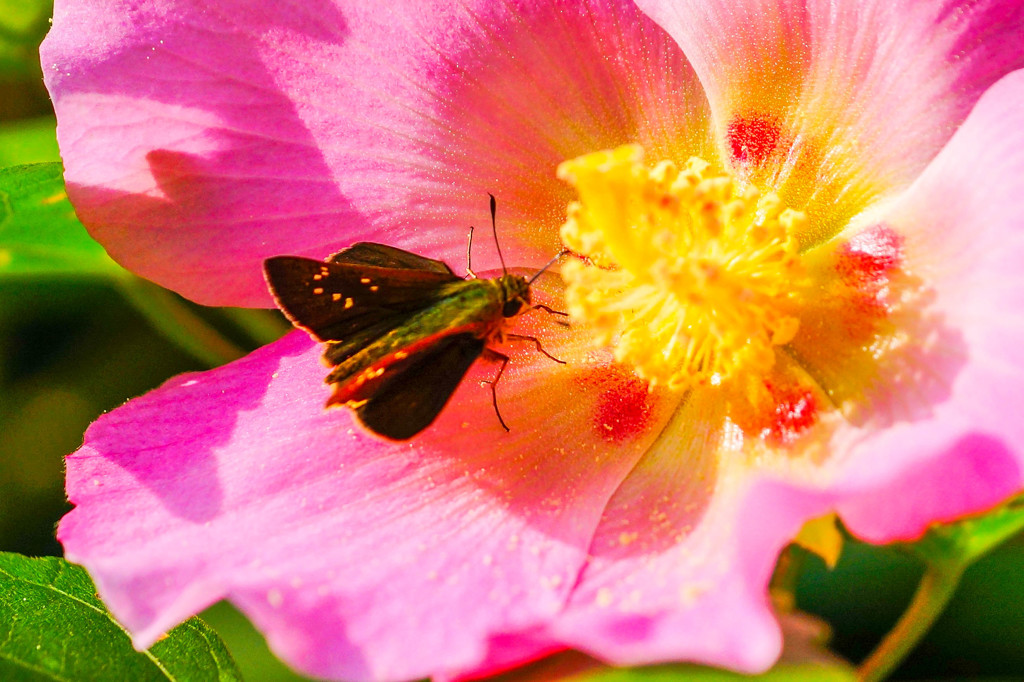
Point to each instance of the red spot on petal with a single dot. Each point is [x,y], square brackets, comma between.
[624,405]
[752,139]
[795,409]
[865,264]
[866,260]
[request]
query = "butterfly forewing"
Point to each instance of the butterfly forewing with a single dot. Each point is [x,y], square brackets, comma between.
[337,300]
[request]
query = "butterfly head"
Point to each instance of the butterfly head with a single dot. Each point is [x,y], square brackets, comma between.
[516,293]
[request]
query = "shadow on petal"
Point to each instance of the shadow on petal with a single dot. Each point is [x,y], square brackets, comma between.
[135,439]
[185,155]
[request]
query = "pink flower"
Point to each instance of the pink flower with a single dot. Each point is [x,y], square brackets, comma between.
[877,371]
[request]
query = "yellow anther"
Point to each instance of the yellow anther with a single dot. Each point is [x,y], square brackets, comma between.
[689,274]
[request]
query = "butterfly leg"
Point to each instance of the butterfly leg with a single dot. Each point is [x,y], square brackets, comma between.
[551,311]
[495,355]
[536,342]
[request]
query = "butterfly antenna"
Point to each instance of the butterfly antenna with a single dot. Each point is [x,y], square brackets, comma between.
[494,228]
[469,254]
[548,265]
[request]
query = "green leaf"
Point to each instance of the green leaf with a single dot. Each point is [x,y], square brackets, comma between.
[784,672]
[41,236]
[947,551]
[572,669]
[23,23]
[39,232]
[804,659]
[53,627]
[964,542]
[30,140]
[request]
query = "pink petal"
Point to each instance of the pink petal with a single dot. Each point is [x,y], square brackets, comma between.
[680,564]
[358,558]
[964,226]
[842,102]
[199,140]
[673,574]
[681,560]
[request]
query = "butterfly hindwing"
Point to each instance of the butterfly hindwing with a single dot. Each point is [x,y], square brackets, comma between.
[337,352]
[411,396]
[335,301]
[463,307]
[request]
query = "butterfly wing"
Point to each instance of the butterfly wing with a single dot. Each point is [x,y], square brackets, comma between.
[398,355]
[384,256]
[461,307]
[336,301]
[412,393]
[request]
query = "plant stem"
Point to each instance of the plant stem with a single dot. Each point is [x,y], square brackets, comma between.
[172,317]
[937,586]
[262,326]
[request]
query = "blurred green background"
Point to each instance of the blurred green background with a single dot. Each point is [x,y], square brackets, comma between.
[72,347]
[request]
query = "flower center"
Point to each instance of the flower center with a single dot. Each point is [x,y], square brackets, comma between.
[689,274]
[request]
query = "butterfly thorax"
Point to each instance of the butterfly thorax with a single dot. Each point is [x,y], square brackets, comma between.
[506,297]
[515,294]
[512,297]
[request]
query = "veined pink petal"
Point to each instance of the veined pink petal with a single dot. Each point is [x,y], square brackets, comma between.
[358,558]
[199,140]
[673,574]
[962,220]
[829,100]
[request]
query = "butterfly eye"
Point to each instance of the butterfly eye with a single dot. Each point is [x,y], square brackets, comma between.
[512,307]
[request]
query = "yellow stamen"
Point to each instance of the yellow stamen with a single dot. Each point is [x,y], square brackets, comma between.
[688,273]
